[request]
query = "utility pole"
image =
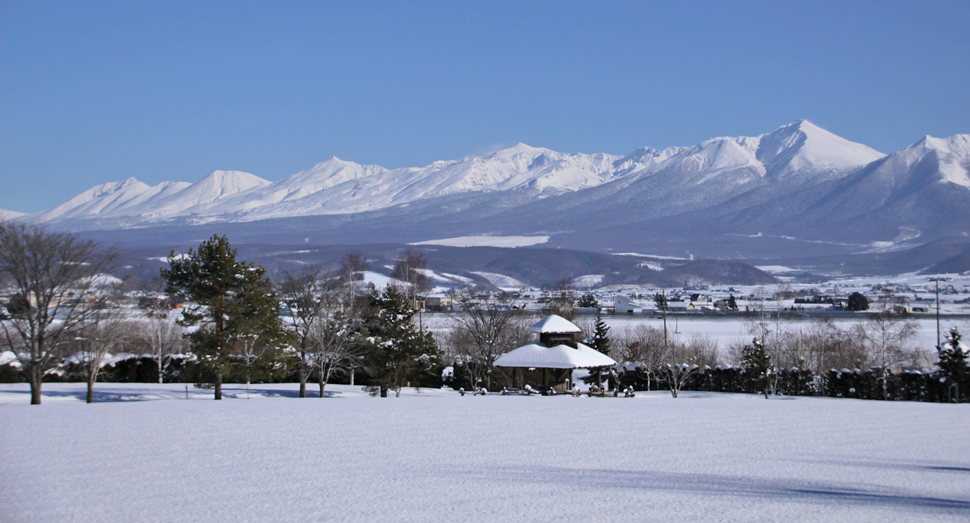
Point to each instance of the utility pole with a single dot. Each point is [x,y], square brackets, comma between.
[938,280]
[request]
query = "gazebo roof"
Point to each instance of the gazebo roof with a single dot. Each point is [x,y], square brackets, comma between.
[537,355]
[554,324]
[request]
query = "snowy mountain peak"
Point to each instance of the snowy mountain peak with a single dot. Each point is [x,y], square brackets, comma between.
[804,149]
[9,215]
[519,149]
[230,182]
[94,200]
[951,154]
[958,144]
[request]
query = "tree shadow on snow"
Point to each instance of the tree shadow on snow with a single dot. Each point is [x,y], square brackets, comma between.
[100,396]
[238,392]
[801,491]
[134,394]
[917,467]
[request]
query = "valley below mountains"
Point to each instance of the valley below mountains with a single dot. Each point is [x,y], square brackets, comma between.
[798,196]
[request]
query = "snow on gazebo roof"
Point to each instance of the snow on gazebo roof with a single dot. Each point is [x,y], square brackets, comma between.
[554,324]
[537,355]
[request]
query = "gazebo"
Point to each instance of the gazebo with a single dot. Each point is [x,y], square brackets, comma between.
[556,351]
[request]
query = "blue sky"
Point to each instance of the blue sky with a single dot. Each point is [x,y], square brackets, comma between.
[92,92]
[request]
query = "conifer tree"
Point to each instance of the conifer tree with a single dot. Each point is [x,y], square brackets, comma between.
[600,342]
[587,301]
[601,336]
[757,366]
[953,364]
[732,304]
[229,301]
[395,352]
[858,302]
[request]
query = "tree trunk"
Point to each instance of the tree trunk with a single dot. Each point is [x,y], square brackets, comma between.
[218,385]
[302,385]
[323,385]
[665,330]
[383,391]
[90,391]
[160,381]
[36,379]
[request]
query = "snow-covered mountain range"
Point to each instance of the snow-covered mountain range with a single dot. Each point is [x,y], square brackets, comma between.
[334,187]
[798,189]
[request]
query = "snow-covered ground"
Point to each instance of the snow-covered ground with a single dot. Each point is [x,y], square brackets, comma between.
[488,241]
[435,456]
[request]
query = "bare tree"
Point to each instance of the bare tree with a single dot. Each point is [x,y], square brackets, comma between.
[887,334]
[108,328]
[302,300]
[563,299]
[677,375]
[57,278]
[771,331]
[323,314]
[489,326]
[643,345]
[409,270]
[335,341]
[352,268]
[682,361]
[159,328]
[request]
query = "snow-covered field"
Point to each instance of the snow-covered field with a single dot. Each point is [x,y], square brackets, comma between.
[487,241]
[144,453]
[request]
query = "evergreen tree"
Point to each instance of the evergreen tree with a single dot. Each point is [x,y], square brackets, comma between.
[601,336]
[587,301]
[600,342]
[757,366]
[953,364]
[732,304]
[230,304]
[395,352]
[858,302]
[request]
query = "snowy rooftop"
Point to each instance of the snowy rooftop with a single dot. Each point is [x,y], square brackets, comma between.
[537,355]
[554,324]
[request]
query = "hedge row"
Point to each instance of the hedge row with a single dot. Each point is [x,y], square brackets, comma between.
[144,369]
[845,383]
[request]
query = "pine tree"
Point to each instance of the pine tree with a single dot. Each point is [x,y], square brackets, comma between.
[953,364]
[230,304]
[732,304]
[858,302]
[600,342]
[601,336]
[757,366]
[587,301]
[395,352]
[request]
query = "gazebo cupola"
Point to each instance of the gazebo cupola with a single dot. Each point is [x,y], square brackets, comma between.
[556,330]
